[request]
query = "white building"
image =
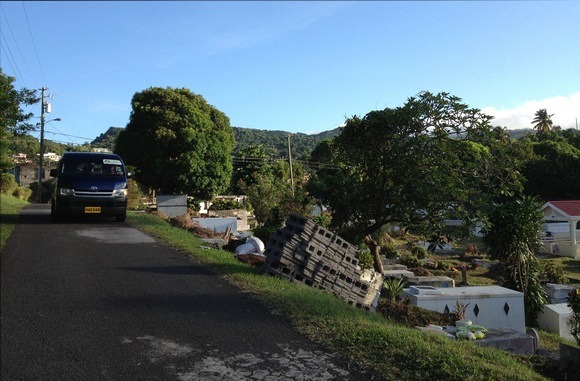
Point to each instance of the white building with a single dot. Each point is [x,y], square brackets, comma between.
[561,228]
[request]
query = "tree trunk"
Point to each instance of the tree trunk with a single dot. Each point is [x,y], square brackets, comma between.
[375,252]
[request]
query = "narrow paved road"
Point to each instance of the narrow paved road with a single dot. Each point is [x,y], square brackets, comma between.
[99,300]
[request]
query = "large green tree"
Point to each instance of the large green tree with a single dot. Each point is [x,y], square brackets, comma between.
[13,118]
[178,143]
[415,165]
[273,196]
[553,170]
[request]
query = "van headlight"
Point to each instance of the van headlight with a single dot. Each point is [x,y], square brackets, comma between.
[65,191]
[120,193]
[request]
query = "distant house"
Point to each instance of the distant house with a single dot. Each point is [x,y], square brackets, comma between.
[561,228]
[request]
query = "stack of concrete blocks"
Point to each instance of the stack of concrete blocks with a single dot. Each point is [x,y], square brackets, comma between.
[307,253]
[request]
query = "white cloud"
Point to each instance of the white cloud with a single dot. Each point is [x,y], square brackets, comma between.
[566,110]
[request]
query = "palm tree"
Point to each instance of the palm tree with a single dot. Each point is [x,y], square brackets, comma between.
[543,121]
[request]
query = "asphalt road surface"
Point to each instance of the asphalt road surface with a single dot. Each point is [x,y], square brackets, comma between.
[99,300]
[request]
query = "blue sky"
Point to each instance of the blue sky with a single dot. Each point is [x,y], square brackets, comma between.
[293,66]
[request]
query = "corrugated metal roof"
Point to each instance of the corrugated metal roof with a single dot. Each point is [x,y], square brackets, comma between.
[570,207]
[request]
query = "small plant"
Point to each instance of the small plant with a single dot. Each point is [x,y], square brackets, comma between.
[574,304]
[445,265]
[390,250]
[365,259]
[393,288]
[460,309]
[410,261]
[419,252]
[554,272]
[470,250]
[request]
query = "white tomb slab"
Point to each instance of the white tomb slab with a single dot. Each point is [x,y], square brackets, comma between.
[489,306]
[555,318]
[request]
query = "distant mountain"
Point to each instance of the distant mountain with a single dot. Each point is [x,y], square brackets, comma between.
[275,142]
[107,139]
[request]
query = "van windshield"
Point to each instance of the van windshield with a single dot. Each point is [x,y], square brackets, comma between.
[93,167]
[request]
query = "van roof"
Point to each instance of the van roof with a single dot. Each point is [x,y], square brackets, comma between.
[90,154]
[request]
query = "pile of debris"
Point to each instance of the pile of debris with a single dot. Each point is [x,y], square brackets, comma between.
[305,252]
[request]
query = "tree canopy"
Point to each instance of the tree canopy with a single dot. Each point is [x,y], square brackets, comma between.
[178,143]
[430,159]
[13,119]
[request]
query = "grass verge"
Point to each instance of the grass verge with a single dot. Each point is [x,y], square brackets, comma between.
[9,210]
[379,349]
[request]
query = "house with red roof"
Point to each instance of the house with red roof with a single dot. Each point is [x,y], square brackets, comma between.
[561,228]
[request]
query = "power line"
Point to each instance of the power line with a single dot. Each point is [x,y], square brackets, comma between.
[33,43]
[18,49]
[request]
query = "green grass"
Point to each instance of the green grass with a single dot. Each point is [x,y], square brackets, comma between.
[9,210]
[551,341]
[381,349]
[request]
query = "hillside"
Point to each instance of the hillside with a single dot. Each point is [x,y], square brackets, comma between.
[275,142]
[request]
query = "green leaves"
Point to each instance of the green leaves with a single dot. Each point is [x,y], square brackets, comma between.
[430,159]
[178,143]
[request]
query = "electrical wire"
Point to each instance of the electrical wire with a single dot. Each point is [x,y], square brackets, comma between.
[18,49]
[33,43]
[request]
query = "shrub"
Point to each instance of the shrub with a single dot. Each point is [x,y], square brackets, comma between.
[22,193]
[365,259]
[323,220]
[445,265]
[7,183]
[134,196]
[574,304]
[410,261]
[225,204]
[264,232]
[553,272]
[390,250]
[419,252]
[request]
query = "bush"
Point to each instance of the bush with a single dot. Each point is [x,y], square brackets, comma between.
[365,259]
[22,193]
[553,272]
[574,304]
[323,220]
[225,204]
[134,196]
[390,250]
[264,232]
[410,261]
[445,265]
[7,183]
[419,252]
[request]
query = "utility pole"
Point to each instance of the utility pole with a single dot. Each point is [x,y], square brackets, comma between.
[40,169]
[290,162]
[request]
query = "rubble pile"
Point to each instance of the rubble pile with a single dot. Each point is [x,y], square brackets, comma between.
[307,253]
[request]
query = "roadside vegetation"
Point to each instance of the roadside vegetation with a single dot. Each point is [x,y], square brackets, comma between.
[9,209]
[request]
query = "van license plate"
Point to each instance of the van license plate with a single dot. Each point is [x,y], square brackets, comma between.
[92,209]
